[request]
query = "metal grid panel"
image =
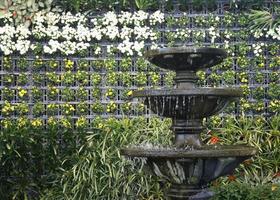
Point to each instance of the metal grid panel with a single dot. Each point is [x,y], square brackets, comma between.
[56,93]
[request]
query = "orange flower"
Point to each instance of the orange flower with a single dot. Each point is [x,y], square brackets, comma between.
[247,162]
[231,178]
[214,140]
[276,175]
[215,183]
[14,13]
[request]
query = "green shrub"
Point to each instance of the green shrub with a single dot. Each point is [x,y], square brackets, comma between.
[99,171]
[30,156]
[59,163]
[237,191]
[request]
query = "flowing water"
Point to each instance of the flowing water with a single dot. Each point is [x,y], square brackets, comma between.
[185,106]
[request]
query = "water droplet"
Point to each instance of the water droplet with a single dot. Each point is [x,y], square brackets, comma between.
[163,106]
[177,103]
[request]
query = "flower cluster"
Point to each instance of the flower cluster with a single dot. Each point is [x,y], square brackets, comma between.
[69,34]
[258,48]
[274,33]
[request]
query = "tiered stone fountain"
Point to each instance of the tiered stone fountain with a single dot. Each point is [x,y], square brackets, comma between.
[190,165]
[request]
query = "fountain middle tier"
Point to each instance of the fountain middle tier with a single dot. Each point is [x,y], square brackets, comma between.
[187,108]
[191,103]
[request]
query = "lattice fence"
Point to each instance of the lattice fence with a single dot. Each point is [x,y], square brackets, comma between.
[41,86]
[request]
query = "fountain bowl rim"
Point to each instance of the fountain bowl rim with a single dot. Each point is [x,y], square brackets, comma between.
[220,92]
[181,50]
[217,151]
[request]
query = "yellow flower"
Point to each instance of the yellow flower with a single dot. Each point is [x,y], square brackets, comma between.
[53,90]
[68,108]
[65,123]
[100,125]
[52,121]
[6,123]
[7,108]
[111,107]
[22,122]
[36,123]
[69,64]
[21,92]
[274,187]
[9,80]
[129,93]
[81,122]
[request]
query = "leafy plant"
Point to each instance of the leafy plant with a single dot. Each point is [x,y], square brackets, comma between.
[264,20]
[199,4]
[145,4]
[24,10]
[237,191]
[126,64]
[68,94]
[97,108]
[99,172]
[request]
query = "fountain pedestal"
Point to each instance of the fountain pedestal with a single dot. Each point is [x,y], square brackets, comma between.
[190,165]
[187,132]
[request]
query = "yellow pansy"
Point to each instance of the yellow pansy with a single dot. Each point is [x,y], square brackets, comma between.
[21,92]
[65,123]
[37,123]
[81,122]
[22,122]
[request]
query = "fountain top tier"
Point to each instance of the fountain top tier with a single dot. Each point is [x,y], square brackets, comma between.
[187,104]
[186,61]
[186,58]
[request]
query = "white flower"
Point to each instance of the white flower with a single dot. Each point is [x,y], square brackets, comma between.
[69,33]
[22,46]
[110,18]
[157,17]
[51,47]
[213,34]
[97,51]
[125,18]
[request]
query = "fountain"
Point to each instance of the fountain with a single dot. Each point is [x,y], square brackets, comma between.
[190,165]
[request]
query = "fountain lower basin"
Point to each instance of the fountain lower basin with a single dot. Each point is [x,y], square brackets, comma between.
[190,170]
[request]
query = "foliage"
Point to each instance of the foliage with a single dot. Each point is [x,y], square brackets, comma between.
[255,131]
[265,22]
[99,172]
[24,10]
[247,4]
[237,191]
[86,164]
[93,5]
[30,157]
